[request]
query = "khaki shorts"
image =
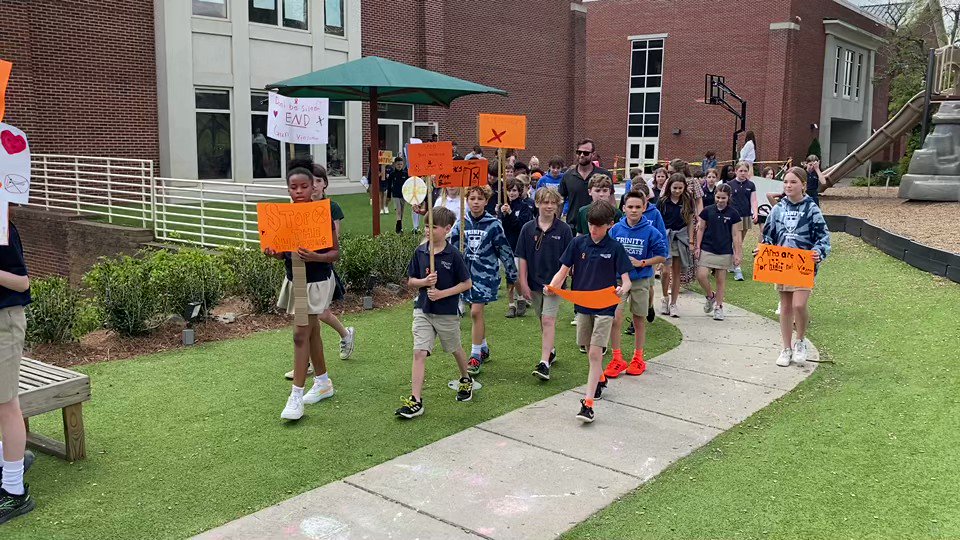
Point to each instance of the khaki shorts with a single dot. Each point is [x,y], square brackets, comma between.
[746,223]
[714,261]
[545,305]
[791,288]
[594,330]
[13,327]
[639,297]
[319,296]
[427,327]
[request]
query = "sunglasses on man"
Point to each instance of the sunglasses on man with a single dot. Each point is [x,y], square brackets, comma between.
[584,152]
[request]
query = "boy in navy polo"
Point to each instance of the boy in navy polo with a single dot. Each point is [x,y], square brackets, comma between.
[597,260]
[436,310]
[541,243]
[15,497]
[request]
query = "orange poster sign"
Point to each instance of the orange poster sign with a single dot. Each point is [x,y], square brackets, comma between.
[464,173]
[289,226]
[784,266]
[601,299]
[5,69]
[385,157]
[503,130]
[427,159]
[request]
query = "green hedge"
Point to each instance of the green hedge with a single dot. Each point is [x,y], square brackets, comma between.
[59,313]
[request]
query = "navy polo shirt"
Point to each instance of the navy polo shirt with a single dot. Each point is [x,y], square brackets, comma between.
[11,260]
[709,197]
[718,236]
[451,271]
[740,200]
[672,215]
[596,265]
[813,186]
[542,250]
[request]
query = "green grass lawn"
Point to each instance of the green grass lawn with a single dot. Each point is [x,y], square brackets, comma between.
[867,447]
[181,442]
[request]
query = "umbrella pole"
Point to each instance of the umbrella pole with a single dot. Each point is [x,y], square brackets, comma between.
[430,219]
[375,161]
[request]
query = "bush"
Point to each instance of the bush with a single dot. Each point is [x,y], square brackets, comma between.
[126,295]
[188,275]
[58,313]
[256,277]
[366,260]
[814,148]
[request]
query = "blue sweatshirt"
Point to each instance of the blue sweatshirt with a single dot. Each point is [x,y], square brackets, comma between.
[641,241]
[799,225]
[485,247]
[653,214]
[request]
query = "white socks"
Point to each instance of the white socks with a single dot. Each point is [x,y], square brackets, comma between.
[484,344]
[416,220]
[13,477]
[297,391]
[322,379]
[475,350]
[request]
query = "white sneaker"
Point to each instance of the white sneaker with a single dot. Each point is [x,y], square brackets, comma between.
[289,374]
[708,305]
[294,408]
[674,311]
[346,344]
[737,274]
[784,359]
[573,322]
[718,314]
[318,392]
[800,350]
[664,307]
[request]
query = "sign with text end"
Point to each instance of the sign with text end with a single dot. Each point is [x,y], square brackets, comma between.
[503,130]
[427,159]
[287,227]
[784,266]
[385,157]
[464,173]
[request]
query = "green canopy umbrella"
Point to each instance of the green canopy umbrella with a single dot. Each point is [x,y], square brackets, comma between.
[376,79]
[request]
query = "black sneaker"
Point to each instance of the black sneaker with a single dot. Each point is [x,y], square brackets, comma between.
[542,371]
[511,312]
[599,393]
[586,413]
[12,506]
[521,308]
[553,356]
[604,353]
[651,314]
[583,350]
[411,408]
[485,354]
[465,390]
[28,459]
[630,329]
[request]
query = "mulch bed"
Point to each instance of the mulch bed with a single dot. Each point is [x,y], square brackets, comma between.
[106,345]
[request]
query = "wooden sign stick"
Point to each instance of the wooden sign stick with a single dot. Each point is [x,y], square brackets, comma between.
[300,314]
[430,219]
[463,217]
[503,181]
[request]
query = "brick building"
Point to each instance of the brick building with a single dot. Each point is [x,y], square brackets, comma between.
[805,67]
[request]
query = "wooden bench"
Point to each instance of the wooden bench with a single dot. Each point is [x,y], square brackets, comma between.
[45,388]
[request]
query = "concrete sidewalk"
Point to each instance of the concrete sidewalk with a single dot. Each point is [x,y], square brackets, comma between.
[536,472]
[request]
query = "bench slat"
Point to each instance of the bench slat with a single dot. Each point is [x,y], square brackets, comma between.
[42,373]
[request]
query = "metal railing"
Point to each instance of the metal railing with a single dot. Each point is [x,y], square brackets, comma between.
[209,213]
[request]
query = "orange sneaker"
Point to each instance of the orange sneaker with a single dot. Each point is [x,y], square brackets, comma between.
[637,365]
[616,366]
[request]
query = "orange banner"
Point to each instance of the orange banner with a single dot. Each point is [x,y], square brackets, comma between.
[464,173]
[601,299]
[502,130]
[5,69]
[427,159]
[784,266]
[289,226]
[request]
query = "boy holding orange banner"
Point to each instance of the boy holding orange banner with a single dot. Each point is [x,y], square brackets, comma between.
[597,260]
[796,222]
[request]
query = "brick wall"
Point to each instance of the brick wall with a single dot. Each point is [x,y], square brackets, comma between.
[84,76]
[778,72]
[66,244]
[491,43]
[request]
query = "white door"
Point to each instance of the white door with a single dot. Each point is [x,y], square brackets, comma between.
[642,153]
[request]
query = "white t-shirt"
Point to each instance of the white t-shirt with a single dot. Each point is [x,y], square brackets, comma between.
[452,204]
[748,153]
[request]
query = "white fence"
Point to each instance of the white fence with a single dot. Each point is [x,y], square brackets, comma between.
[125,192]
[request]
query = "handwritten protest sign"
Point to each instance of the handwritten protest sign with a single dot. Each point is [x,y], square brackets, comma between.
[463,173]
[385,157]
[297,120]
[426,159]
[14,165]
[784,266]
[503,130]
[286,227]
[5,69]
[601,299]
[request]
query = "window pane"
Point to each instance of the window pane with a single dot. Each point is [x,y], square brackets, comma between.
[337,148]
[634,151]
[653,102]
[396,111]
[263,11]
[337,108]
[656,44]
[639,45]
[655,62]
[259,103]
[333,16]
[639,63]
[637,82]
[635,119]
[653,82]
[636,103]
[649,152]
[266,151]
[210,8]
[213,99]
[634,131]
[651,131]
[295,14]
[213,145]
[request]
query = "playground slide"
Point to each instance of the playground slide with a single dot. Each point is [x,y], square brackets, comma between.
[902,122]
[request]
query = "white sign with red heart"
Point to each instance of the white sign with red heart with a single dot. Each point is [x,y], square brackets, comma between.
[298,120]
[14,165]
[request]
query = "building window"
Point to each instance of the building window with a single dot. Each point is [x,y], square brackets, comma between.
[213,134]
[848,73]
[333,17]
[337,140]
[859,70]
[836,73]
[293,13]
[646,69]
[643,116]
[210,8]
